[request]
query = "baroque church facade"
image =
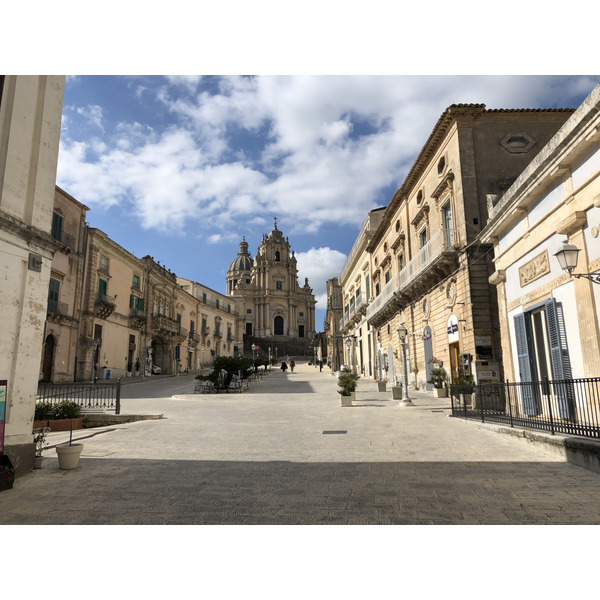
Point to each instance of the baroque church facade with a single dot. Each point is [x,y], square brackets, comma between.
[272,302]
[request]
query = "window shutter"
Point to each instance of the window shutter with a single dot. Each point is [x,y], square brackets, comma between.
[102,287]
[131,301]
[140,304]
[530,393]
[561,365]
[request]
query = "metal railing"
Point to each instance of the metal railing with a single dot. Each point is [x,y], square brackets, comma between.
[58,308]
[568,406]
[89,396]
[386,294]
[443,240]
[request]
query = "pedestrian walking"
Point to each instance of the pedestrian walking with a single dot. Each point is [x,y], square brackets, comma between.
[292,365]
[320,365]
[283,366]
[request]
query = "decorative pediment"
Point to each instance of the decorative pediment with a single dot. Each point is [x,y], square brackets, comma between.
[444,185]
[422,215]
[399,241]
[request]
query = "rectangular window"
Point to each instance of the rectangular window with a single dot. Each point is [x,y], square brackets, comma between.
[178,322]
[367,288]
[229,308]
[301,314]
[447,223]
[104,264]
[387,276]
[377,289]
[301,331]
[248,311]
[217,303]
[204,297]
[177,352]
[53,294]
[423,237]
[248,328]
[278,285]
[57,226]
[203,325]
[217,327]
[136,282]
[400,262]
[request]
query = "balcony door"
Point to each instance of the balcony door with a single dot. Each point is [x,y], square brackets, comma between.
[428,353]
[447,224]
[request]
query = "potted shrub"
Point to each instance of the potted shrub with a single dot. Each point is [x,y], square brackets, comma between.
[68,454]
[66,415]
[39,439]
[438,378]
[137,367]
[347,384]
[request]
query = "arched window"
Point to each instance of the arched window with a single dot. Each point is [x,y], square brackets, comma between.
[278,325]
[277,256]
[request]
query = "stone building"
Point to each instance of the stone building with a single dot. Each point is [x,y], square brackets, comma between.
[216,313]
[274,306]
[61,331]
[30,117]
[548,318]
[333,316]
[429,270]
[354,279]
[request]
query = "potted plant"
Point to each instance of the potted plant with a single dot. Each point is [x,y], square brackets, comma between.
[438,378]
[137,367]
[39,439]
[66,415]
[68,454]
[347,384]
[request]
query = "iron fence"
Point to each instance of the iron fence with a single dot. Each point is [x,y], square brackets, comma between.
[90,396]
[568,406]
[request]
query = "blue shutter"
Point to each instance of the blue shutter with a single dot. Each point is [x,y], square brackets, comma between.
[559,353]
[529,392]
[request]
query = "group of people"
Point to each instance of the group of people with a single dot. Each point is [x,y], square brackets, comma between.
[284,365]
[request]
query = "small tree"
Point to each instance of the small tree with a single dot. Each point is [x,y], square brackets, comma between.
[438,377]
[347,381]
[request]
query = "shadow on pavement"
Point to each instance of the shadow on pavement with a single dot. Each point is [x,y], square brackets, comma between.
[109,491]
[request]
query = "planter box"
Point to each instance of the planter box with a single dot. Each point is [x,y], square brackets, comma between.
[65,424]
[381,385]
[40,424]
[440,392]
[396,392]
[347,400]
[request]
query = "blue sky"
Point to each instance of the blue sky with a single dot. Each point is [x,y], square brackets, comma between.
[181,167]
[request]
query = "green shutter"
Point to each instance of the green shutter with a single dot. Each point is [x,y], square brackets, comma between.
[140,304]
[131,301]
[102,286]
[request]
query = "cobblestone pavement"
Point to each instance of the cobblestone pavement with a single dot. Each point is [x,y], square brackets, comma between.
[286,452]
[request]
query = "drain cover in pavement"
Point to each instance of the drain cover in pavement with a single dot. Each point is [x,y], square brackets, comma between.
[335,431]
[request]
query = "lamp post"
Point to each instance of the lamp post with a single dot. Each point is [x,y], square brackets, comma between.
[202,363]
[240,349]
[567,258]
[402,334]
[253,359]
[95,345]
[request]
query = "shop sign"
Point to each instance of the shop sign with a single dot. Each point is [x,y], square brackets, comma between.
[452,328]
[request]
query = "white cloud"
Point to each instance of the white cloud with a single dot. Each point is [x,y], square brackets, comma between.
[333,144]
[319,265]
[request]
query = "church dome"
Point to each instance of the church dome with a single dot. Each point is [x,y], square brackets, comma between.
[243,261]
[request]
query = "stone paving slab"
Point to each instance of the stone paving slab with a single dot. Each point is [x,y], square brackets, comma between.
[262,457]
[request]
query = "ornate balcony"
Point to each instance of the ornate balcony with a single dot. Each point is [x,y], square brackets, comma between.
[104,306]
[137,319]
[164,326]
[432,263]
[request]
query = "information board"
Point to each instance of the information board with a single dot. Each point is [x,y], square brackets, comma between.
[3,385]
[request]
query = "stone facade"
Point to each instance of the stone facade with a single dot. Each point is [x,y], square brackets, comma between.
[65,289]
[549,320]
[354,279]
[30,117]
[273,304]
[428,269]
[333,316]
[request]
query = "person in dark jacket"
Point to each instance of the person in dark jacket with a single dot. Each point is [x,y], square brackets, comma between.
[283,366]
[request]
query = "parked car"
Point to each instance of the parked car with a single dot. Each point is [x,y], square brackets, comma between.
[156,370]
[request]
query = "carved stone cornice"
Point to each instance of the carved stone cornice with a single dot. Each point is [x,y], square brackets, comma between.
[445,184]
[422,215]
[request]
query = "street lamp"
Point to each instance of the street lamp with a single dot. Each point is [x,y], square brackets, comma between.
[202,364]
[402,334]
[567,258]
[349,354]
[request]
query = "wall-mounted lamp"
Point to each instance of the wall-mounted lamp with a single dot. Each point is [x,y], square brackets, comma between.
[567,258]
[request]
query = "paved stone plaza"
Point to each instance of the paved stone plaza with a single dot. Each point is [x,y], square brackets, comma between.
[286,452]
